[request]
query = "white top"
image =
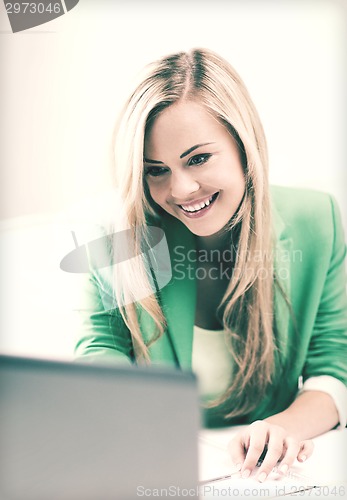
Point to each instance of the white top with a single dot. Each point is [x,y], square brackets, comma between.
[212,363]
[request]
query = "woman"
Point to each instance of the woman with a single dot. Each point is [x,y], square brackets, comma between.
[256,304]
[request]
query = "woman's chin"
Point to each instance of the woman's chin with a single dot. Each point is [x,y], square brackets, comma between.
[206,232]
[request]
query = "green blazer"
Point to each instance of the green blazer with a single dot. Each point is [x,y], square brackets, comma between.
[309,259]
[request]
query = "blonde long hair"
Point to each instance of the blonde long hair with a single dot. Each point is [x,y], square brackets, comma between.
[203,76]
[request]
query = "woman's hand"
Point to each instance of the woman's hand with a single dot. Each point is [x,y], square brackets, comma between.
[269,442]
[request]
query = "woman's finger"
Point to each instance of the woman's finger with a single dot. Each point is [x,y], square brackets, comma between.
[292,449]
[237,450]
[295,450]
[275,450]
[306,450]
[258,438]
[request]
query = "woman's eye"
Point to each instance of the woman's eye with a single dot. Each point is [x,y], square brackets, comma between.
[199,159]
[155,171]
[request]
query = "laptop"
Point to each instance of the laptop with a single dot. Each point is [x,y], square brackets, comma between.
[88,432]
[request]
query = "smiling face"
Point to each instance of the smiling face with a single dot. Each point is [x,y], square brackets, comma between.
[193,168]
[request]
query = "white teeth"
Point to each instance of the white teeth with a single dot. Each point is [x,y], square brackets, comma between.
[197,206]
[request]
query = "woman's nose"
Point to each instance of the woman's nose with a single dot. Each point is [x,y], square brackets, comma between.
[183,184]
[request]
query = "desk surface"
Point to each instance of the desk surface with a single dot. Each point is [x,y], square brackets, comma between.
[325,470]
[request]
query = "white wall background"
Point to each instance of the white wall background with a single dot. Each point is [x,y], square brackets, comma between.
[64,82]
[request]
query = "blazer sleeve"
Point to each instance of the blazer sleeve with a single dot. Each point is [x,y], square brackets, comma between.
[327,354]
[102,335]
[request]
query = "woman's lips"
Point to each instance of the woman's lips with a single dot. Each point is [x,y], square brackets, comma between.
[202,211]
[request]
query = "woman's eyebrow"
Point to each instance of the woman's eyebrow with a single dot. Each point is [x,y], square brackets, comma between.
[147,160]
[194,147]
[190,150]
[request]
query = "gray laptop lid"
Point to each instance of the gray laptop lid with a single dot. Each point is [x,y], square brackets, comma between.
[76,431]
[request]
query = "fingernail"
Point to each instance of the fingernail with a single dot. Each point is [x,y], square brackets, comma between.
[262,477]
[303,458]
[284,468]
[246,473]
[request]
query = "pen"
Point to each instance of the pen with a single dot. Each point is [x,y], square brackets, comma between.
[290,475]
